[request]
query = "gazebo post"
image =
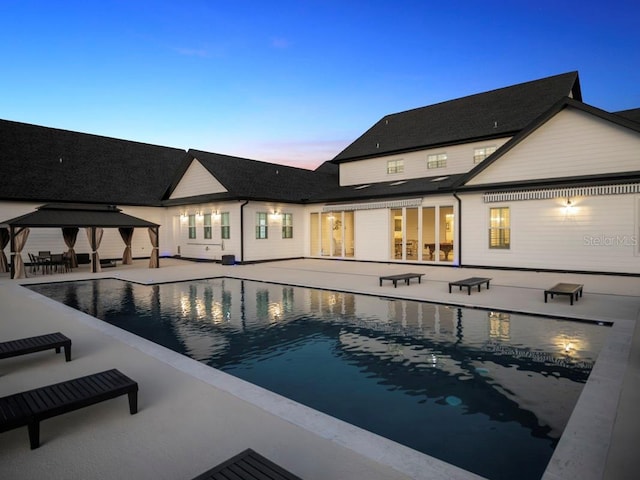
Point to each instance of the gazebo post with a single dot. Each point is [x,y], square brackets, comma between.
[12,232]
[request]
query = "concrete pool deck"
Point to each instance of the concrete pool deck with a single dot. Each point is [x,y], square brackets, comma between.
[192,417]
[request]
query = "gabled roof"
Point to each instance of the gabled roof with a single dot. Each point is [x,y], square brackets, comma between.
[493,114]
[533,126]
[78,215]
[247,179]
[44,164]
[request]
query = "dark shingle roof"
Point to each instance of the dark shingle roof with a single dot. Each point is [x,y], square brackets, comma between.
[398,188]
[493,114]
[633,114]
[247,179]
[48,164]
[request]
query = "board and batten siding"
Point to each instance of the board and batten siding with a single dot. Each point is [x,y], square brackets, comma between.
[372,235]
[600,234]
[206,248]
[571,143]
[374,170]
[197,181]
[274,247]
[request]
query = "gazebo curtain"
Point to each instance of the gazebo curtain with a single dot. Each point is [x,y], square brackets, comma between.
[19,240]
[154,261]
[70,234]
[4,240]
[127,234]
[94,234]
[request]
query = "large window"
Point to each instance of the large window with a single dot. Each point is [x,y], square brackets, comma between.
[479,154]
[225,226]
[395,166]
[192,226]
[287,225]
[499,228]
[261,225]
[438,160]
[207,226]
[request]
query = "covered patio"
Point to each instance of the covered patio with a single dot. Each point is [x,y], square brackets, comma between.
[70,218]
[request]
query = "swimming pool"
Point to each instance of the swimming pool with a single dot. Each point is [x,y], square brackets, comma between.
[487,391]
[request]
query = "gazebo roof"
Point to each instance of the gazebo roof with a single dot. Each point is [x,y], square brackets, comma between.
[77,215]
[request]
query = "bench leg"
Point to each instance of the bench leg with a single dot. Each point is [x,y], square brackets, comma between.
[469,289]
[133,402]
[34,434]
[571,297]
[449,288]
[67,353]
[545,296]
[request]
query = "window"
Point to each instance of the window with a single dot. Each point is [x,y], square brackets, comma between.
[287,225]
[261,225]
[437,160]
[207,225]
[395,166]
[479,154]
[225,226]
[192,226]
[499,228]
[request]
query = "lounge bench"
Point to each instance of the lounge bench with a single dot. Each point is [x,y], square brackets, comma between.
[573,290]
[470,282]
[23,346]
[402,276]
[247,465]
[31,407]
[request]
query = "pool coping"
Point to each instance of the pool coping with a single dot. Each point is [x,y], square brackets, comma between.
[581,452]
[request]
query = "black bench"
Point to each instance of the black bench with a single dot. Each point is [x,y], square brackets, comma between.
[470,282]
[403,276]
[31,407]
[247,465]
[23,346]
[573,290]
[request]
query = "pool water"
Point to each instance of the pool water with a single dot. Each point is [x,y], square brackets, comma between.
[490,392]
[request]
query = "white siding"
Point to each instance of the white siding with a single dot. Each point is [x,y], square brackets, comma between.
[211,248]
[571,143]
[601,234]
[459,160]
[274,246]
[197,181]
[372,235]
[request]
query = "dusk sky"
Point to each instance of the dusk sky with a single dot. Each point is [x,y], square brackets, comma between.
[294,82]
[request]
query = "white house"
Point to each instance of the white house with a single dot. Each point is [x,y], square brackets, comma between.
[526,176]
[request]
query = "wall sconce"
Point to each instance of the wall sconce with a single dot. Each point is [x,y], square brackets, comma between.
[569,209]
[276,213]
[183,216]
[216,213]
[199,214]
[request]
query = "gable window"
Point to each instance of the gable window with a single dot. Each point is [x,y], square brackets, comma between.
[395,166]
[225,226]
[499,228]
[479,154]
[261,225]
[437,160]
[192,226]
[287,225]
[207,225]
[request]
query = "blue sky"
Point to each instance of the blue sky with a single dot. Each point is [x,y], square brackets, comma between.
[294,81]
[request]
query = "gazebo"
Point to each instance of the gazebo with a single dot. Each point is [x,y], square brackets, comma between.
[70,218]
